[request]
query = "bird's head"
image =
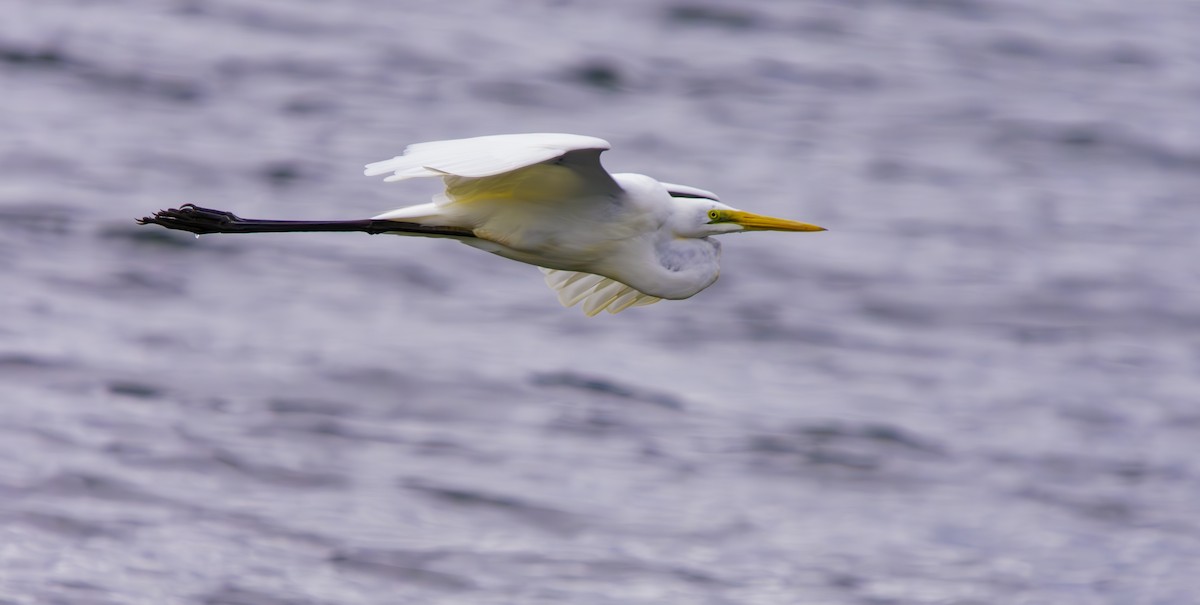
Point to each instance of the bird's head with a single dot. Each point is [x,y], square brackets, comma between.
[702,218]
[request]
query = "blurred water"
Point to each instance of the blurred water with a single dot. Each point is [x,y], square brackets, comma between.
[979,387]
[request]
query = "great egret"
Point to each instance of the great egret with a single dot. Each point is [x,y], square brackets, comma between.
[610,241]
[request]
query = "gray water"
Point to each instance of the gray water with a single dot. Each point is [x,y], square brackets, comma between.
[980,386]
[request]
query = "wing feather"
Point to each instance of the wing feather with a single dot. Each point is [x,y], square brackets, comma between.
[597,293]
[572,294]
[624,301]
[479,157]
[602,296]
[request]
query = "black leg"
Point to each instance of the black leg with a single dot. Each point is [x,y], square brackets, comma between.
[194,219]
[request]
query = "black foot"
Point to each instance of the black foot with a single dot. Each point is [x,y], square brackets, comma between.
[192,218]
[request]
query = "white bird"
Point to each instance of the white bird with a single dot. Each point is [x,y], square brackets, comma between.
[610,241]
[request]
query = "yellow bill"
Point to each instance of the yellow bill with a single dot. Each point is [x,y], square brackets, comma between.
[758,222]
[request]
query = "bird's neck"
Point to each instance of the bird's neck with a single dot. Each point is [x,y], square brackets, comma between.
[685,266]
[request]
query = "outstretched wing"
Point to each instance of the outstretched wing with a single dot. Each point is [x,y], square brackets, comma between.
[508,167]
[479,157]
[596,292]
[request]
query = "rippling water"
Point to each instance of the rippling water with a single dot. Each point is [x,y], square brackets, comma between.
[981,386]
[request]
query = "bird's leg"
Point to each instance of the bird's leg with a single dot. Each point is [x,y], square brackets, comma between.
[195,219]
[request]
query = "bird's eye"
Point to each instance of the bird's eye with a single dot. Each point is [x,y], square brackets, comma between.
[714,215]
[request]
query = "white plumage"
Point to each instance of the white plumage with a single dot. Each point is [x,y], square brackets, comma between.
[481,156]
[597,293]
[607,241]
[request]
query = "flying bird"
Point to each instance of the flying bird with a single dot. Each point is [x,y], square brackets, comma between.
[609,241]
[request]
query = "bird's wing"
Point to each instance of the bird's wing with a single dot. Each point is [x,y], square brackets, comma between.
[677,190]
[597,293]
[479,157]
